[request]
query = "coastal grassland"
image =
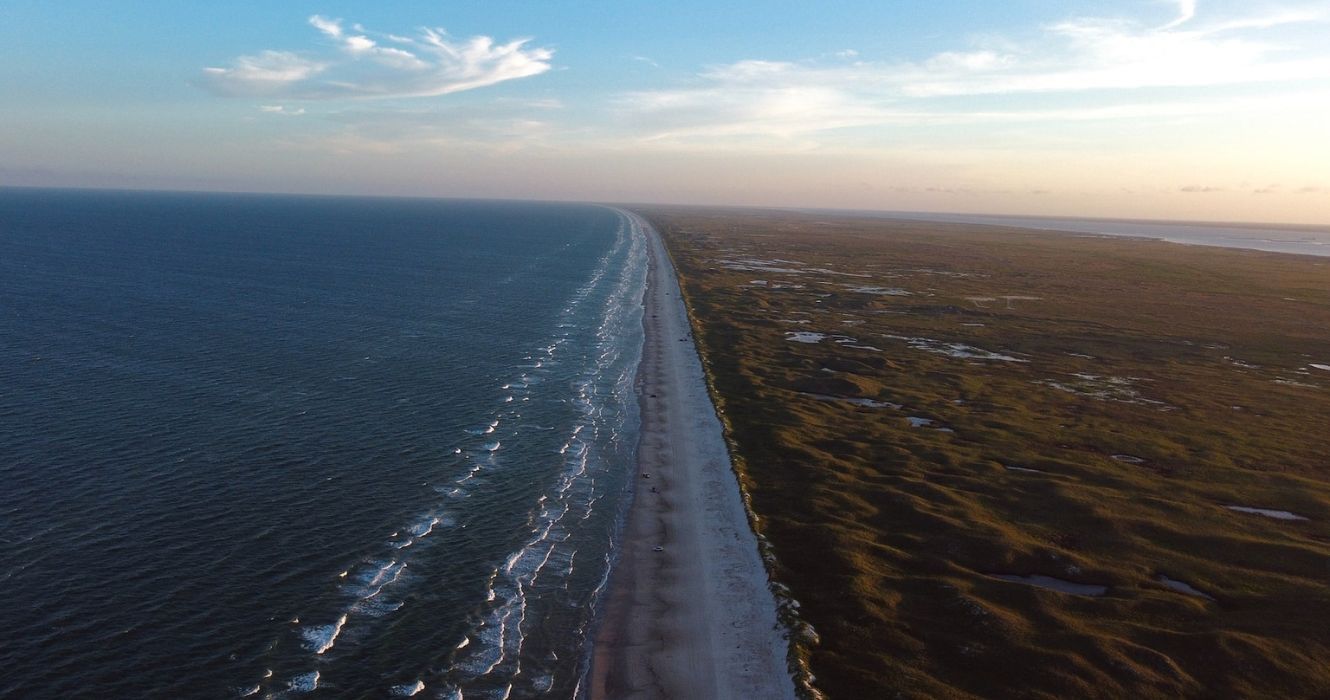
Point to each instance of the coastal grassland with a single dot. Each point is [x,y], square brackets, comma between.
[917,410]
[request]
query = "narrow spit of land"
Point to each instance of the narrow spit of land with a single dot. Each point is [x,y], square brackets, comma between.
[689,613]
[1001,463]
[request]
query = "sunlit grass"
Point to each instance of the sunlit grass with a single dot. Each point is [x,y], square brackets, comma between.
[1073,407]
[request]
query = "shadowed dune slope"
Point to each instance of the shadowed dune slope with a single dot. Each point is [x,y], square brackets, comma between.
[1001,463]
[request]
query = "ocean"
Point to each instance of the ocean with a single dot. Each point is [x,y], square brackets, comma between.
[275,446]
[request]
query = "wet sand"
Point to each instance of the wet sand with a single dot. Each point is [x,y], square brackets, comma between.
[695,619]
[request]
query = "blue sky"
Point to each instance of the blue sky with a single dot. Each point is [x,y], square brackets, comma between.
[1159,108]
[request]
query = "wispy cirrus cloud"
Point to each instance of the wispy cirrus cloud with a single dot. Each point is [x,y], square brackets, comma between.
[367,65]
[1087,67]
[502,125]
[282,110]
[1186,11]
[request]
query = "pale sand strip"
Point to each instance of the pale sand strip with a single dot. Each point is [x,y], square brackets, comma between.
[695,620]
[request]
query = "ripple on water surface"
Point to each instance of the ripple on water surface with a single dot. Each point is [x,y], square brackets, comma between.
[311,451]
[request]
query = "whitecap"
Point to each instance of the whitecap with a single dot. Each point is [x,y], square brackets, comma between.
[422,529]
[321,638]
[382,577]
[407,690]
[305,682]
[542,683]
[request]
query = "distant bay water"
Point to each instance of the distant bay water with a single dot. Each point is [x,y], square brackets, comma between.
[309,447]
[1274,238]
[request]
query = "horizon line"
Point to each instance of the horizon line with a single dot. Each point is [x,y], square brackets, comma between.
[1232,223]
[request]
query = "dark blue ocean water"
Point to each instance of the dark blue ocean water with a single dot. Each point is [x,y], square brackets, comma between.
[316,447]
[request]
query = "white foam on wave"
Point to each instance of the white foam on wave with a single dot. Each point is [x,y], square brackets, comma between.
[423,529]
[491,654]
[383,576]
[542,683]
[407,690]
[489,428]
[304,683]
[470,474]
[493,649]
[491,638]
[321,638]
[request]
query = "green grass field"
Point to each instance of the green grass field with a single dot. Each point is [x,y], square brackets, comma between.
[978,402]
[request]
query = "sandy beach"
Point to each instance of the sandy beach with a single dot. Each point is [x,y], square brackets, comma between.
[689,614]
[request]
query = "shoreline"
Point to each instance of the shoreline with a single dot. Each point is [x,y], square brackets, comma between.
[697,617]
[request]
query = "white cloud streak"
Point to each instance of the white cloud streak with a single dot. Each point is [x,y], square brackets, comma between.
[1087,67]
[1186,11]
[282,110]
[427,65]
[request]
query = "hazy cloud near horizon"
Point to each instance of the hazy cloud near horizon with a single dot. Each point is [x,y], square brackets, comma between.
[1084,68]
[1150,108]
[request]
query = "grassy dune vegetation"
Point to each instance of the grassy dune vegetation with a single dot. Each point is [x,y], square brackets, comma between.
[920,409]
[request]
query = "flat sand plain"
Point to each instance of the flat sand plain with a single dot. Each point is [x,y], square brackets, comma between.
[1001,463]
[689,613]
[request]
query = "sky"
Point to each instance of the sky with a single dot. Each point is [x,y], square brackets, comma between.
[1171,109]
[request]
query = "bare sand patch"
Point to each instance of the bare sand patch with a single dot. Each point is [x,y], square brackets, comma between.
[1055,584]
[1267,512]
